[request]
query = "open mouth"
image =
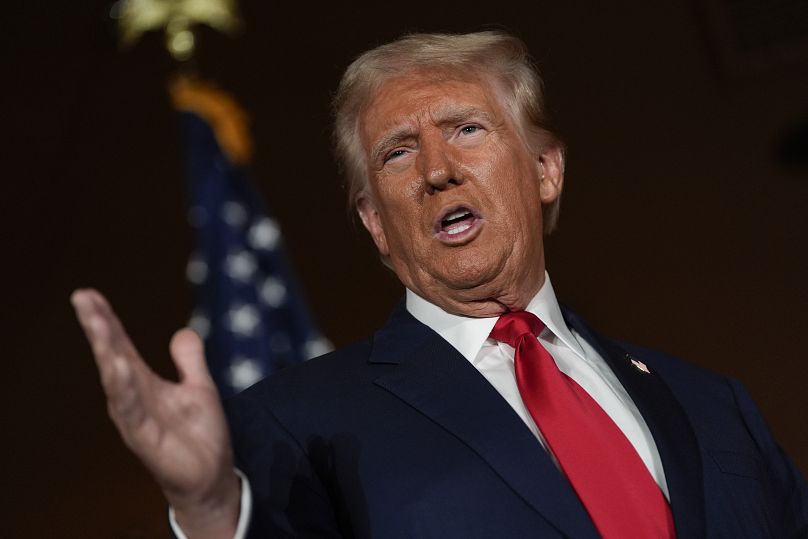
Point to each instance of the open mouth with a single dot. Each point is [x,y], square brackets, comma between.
[457,221]
[457,224]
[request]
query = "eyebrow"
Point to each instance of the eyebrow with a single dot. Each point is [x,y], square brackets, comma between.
[448,116]
[390,139]
[456,115]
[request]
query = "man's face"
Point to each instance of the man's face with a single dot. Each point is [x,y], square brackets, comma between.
[455,194]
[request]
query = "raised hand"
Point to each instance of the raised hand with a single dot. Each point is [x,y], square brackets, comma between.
[178,430]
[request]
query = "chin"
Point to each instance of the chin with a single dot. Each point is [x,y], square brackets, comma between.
[469,273]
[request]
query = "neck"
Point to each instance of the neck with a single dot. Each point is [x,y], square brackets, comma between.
[478,303]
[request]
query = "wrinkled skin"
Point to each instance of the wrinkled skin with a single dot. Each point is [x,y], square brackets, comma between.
[435,144]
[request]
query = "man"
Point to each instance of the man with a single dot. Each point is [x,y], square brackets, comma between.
[480,409]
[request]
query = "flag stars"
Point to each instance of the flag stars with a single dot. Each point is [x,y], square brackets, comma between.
[272,292]
[234,213]
[317,347]
[264,234]
[200,323]
[247,312]
[244,372]
[197,270]
[243,320]
[240,266]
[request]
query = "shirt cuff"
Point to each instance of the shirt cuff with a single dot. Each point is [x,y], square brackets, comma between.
[245,511]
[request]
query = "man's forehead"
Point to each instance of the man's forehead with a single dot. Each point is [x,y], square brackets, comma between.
[450,111]
[407,100]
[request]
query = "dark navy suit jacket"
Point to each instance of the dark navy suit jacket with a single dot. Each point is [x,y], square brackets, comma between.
[400,436]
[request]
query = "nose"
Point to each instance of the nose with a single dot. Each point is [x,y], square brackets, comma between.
[438,166]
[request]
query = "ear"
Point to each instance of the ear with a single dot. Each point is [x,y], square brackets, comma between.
[373,222]
[551,173]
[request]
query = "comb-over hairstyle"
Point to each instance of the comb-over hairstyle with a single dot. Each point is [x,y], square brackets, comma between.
[502,58]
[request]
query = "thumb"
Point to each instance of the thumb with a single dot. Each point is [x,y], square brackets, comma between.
[188,353]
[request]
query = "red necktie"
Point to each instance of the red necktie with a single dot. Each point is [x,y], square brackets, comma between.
[600,463]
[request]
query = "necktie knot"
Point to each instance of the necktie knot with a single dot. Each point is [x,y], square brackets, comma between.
[514,325]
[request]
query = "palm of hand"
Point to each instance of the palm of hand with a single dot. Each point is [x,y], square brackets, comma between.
[178,430]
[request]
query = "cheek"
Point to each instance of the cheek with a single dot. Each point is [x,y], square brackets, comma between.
[400,213]
[510,181]
[401,196]
[503,164]
[514,185]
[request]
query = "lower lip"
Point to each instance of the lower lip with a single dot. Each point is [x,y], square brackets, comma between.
[463,236]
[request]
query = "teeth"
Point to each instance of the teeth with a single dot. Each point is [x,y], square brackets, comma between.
[456,215]
[458,228]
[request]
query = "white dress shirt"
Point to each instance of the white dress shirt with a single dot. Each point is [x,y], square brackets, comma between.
[243,518]
[574,356]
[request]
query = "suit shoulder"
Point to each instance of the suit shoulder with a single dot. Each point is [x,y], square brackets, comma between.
[332,368]
[314,386]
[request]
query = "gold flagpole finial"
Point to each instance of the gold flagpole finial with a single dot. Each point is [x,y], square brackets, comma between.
[135,17]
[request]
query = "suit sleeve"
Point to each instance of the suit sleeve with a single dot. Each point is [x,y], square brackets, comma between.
[791,490]
[288,498]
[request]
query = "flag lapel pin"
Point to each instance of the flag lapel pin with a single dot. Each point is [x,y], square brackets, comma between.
[637,364]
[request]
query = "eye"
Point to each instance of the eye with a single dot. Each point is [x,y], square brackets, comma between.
[394,154]
[469,129]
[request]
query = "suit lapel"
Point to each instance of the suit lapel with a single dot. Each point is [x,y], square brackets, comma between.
[669,426]
[435,379]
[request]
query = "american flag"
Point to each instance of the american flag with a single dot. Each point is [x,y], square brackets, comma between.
[249,309]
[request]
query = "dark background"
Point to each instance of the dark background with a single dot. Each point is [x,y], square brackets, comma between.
[683,226]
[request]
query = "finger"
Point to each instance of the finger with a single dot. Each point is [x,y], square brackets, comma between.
[116,374]
[103,327]
[95,326]
[119,339]
[188,353]
[118,369]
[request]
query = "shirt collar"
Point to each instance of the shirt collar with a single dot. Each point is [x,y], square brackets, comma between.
[467,335]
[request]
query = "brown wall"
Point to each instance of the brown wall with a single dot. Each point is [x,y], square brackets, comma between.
[679,230]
